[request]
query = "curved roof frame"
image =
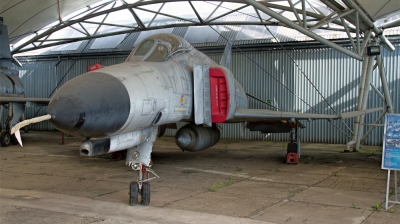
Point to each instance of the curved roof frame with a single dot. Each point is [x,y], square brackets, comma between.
[306,17]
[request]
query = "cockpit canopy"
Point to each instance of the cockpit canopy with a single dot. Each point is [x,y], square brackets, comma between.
[158,48]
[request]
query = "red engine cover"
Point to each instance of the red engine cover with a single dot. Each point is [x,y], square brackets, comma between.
[219,95]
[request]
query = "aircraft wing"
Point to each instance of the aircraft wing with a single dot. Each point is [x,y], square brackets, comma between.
[254,115]
[28,100]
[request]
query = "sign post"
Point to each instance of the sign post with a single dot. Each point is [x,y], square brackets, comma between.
[391,154]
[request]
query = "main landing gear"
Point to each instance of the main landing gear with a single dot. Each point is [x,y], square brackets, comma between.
[5,139]
[293,148]
[14,112]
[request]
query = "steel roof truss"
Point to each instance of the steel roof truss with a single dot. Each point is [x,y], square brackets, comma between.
[212,13]
[227,13]
[138,20]
[98,27]
[102,6]
[110,24]
[328,19]
[303,7]
[295,12]
[316,10]
[78,30]
[195,11]
[367,36]
[302,29]
[349,18]
[348,33]
[87,33]
[167,15]
[155,14]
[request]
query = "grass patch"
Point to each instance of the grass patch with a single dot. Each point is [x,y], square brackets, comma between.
[376,207]
[354,206]
[221,185]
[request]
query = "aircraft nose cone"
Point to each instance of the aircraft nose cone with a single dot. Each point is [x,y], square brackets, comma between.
[65,113]
[95,104]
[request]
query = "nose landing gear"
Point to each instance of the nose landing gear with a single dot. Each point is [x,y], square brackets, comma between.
[139,159]
[141,186]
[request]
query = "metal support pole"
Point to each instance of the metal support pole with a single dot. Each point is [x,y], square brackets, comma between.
[358,34]
[364,100]
[385,88]
[359,102]
[396,191]
[377,92]
[372,128]
[303,7]
[387,191]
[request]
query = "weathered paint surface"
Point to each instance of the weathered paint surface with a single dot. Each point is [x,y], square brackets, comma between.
[335,75]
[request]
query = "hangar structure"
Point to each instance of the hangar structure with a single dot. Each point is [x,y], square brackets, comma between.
[316,56]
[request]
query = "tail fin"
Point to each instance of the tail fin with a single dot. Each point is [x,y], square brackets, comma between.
[227,56]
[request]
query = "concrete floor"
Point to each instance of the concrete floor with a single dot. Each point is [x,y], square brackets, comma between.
[233,182]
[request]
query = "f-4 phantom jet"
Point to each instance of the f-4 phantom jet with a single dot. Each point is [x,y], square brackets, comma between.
[163,81]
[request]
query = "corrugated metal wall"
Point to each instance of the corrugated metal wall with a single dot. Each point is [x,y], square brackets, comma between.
[336,77]
[268,75]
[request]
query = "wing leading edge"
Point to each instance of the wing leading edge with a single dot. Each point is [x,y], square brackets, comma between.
[254,115]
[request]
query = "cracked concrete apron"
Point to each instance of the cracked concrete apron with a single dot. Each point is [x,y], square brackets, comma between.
[233,182]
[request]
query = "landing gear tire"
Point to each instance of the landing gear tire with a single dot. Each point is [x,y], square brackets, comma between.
[146,193]
[5,139]
[133,193]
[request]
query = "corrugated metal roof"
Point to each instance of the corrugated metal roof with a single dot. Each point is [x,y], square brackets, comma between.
[213,36]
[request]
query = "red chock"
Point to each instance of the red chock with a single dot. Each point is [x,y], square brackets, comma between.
[292,158]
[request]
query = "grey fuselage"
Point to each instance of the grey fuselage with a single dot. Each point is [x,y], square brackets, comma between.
[137,93]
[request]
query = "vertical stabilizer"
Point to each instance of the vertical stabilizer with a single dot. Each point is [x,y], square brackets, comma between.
[227,56]
[5,55]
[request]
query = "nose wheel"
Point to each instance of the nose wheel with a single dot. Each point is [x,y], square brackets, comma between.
[133,193]
[141,186]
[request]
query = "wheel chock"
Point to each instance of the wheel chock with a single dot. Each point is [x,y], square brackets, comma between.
[292,158]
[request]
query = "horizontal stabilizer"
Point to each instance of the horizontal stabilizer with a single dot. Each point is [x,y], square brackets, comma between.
[35,101]
[244,114]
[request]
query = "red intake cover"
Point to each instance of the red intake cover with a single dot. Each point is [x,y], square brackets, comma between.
[219,95]
[94,67]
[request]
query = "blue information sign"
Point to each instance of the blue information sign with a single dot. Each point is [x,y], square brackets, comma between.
[391,143]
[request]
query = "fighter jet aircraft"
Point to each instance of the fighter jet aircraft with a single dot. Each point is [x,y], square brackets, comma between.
[12,96]
[163,81]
